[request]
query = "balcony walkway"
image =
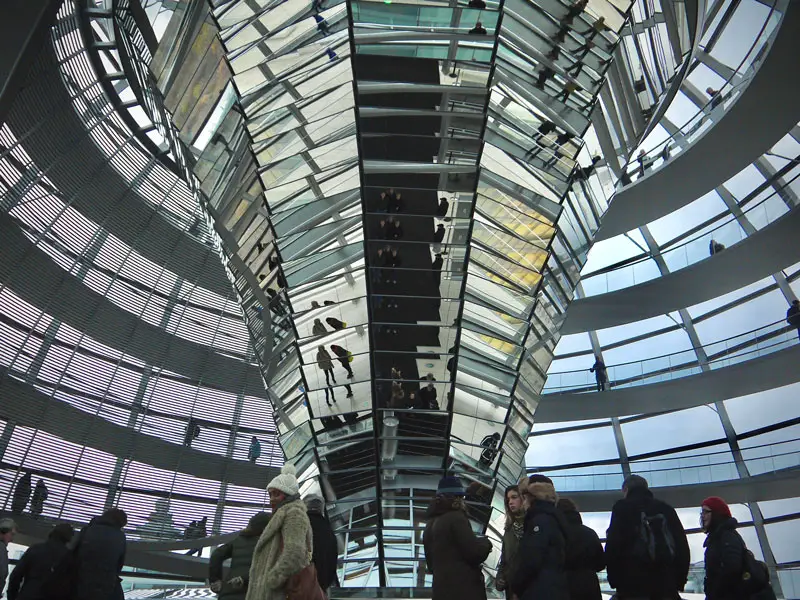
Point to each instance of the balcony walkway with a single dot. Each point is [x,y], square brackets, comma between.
[749,377]
[32,275]
[33,408]
[761,116]
[767,251]
[758,488]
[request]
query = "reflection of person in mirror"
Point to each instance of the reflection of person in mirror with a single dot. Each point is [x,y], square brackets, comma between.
[478,29]
[438,237]
[489,443]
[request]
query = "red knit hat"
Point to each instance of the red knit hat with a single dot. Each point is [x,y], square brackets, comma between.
[717,505]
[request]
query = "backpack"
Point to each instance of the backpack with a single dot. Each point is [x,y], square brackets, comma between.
[654,545]
[755,574]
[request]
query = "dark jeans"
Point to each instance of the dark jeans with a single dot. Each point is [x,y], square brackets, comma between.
[329,372]
[602,384]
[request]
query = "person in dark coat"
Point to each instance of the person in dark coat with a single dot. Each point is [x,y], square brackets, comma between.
[395,230]
[453,553]
[233,586]
[101,556]
[600,373]
[444,206]
[326,546]
[512,534]
[539,573]
[37,564]
[724,554]
[438,238]
[22,493]
[427,395]
[343,356]
[793,315]
[191,432]
[335,324]
[479,29]
[726,557]
[40,495]
[8,529]
[585,556]
[629,576]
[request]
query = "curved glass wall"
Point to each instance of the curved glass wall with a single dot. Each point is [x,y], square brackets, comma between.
[738,442]
[276,131]
[120,329]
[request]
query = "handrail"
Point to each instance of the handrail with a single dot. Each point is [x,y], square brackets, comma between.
[726,92]
[740,349]
[639,465]
[704,235]
[634,362]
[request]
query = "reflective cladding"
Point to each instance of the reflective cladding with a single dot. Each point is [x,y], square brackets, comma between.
[414,161]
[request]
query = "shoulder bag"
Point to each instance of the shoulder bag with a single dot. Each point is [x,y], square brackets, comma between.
[304,584]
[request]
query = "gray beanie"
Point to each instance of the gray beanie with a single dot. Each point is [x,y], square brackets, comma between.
[315,503]
[7,525]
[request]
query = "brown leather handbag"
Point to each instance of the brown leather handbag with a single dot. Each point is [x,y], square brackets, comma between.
[304,584]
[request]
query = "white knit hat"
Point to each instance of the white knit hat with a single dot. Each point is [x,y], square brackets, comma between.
[286,482]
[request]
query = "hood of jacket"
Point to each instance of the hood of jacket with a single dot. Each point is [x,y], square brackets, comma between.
[639,495]
[572,517]
[723,524]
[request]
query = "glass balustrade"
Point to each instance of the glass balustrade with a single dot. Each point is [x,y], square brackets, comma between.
[711,111]
[723,353]
[690,252]
[671,471]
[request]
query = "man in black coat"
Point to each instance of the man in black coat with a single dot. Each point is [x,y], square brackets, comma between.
[326,546]
[585,556]
[101,556]
[793,315]
[36,565]
[22,493]
[628,573]
[540,572]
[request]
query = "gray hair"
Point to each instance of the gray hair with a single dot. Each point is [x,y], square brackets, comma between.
[315,503]
[7,525]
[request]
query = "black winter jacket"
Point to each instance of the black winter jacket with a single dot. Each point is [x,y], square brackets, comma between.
[326,549]
[793,316]
[101,556]
[33,569]
[240,551]
[724,560]
[540,572]
[584,559]
[630,578]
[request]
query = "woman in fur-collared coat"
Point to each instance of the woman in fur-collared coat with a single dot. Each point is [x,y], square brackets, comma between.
[285,546]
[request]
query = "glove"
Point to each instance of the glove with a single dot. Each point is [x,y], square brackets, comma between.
[216,586]
[236,583]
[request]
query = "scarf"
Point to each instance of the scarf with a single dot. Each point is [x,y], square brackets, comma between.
[518,526]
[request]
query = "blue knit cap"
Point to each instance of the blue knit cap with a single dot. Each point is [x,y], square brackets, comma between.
[450,486]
